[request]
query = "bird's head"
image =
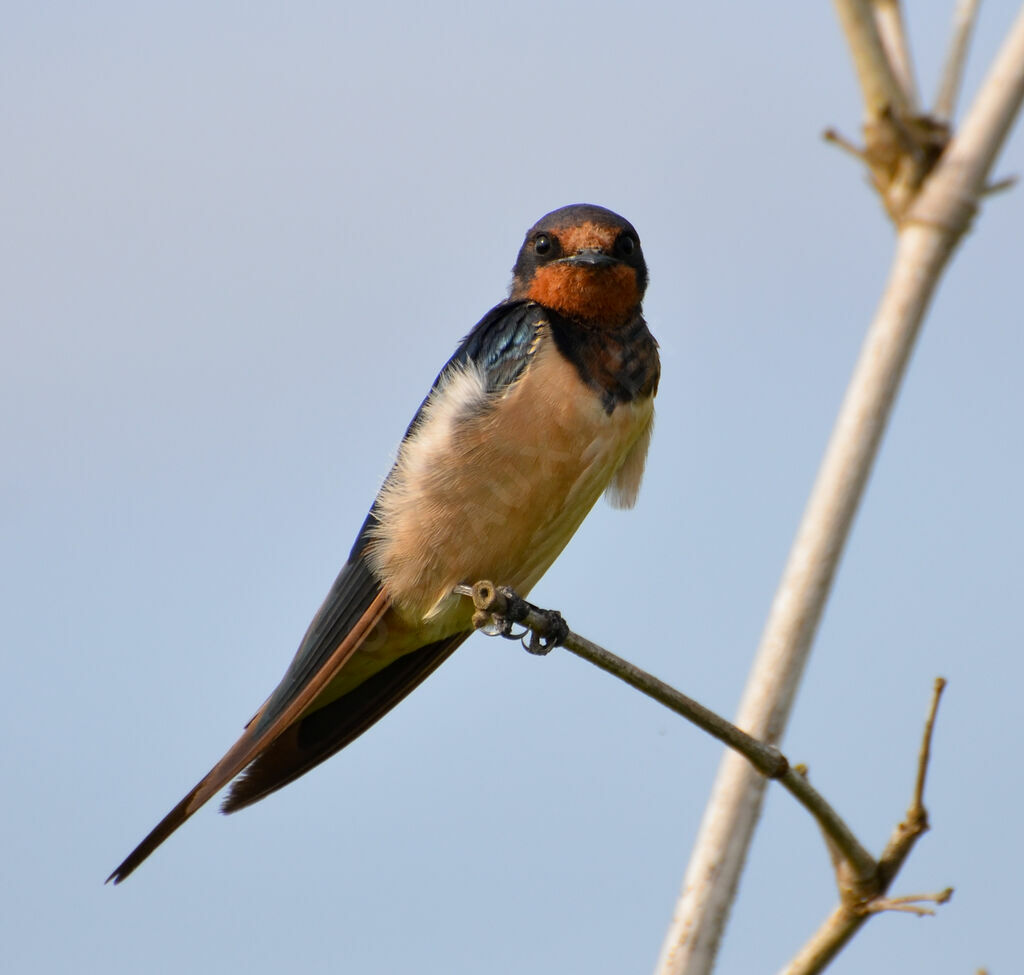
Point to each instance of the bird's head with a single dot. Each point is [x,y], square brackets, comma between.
[584,262]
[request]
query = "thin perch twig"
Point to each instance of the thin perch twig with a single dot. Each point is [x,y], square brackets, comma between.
[549,630]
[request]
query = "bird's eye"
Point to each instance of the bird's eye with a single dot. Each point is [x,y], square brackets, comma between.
[626,245]
[542,245]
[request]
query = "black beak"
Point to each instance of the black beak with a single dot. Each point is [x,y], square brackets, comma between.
[591,257]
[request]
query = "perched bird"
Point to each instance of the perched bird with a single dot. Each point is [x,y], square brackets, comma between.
[547,403]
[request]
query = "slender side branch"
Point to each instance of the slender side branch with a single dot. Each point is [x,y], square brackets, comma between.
[926,744]
[889,18]
[851,912]
[881,90]
[911,903]
[915,822]
[956,57]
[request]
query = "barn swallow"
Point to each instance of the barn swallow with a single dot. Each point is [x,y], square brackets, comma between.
[546,404]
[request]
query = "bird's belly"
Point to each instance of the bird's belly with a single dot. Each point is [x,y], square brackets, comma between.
[497,493]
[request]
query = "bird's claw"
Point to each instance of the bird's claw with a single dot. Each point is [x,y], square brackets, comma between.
[555,632]
[538,638]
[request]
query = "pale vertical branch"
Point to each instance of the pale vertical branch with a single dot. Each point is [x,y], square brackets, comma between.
[735,803]
[929,232]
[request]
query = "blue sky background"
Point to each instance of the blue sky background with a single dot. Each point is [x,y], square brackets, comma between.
[238,242]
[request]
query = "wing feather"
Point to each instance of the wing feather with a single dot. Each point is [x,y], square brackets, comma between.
[318,736]
[348,615]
